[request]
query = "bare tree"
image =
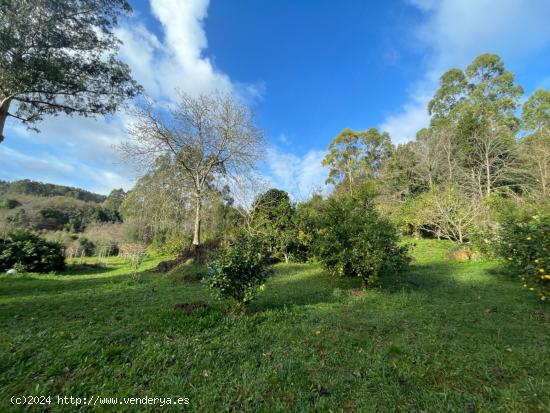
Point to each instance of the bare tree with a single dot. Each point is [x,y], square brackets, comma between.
[245,190]
[535,150]
[492,161]
[208,136]
[449,214]
[429,151]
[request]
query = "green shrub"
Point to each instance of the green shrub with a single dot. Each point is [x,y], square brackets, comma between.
[87,245]
[108,250]
[239,270]
[524,244]
[172,243]
[26,251]
[11,203]
[356,241]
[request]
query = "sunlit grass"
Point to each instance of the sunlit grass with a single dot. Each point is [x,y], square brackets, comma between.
[445,336]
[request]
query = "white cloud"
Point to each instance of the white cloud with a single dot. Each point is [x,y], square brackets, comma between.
[404,125]
[454,32]
[176,61]
[299,176]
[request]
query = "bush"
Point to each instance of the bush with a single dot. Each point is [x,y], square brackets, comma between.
[238,270]
[26,251]
[172,243]
[87,245]
[356,241]
[108,250]
[11,203]
[524,244]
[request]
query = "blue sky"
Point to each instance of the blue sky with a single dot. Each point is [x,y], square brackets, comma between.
[308,68]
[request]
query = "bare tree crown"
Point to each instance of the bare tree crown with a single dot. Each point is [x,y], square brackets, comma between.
[205,137]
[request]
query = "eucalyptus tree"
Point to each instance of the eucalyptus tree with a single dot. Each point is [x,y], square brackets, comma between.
[356,154]
[479,105]
[484,92]
[536,145]
[207,137]
[61,57]
[160,203]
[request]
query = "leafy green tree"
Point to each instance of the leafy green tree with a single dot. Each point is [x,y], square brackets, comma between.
[60,57]
[159,205]
[307,219]
[523,242]
[536,112]
[479,105]
[356,154]
[239,270]
[482,94]
[110,209]
[355,240]
[275,222]
[26,251]
[536,145]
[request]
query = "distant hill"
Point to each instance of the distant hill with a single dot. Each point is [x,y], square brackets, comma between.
[28,187]
[50,207]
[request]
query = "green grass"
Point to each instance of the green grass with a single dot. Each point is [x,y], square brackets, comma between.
[443,337]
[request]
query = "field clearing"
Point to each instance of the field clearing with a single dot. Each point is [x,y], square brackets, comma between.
[443,337]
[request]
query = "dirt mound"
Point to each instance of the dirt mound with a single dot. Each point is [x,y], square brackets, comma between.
[188,308]
[463,253]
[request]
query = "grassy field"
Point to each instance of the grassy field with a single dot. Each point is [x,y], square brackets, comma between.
[444,337]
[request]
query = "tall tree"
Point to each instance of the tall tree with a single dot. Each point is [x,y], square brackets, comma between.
[536,145]
[484,93]
[159,204]
[206,137]
[479,106]
[356,154]
[275,223]
[60,57]
[536,112]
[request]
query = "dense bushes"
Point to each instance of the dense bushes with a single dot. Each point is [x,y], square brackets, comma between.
[26,251]
[239,270]
[524,243]
[354,240]
[10,203]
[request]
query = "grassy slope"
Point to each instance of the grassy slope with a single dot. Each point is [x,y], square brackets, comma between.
[444,337]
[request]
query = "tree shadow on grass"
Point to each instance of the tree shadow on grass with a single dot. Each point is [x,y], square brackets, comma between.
[20,286]
[86,269]
[300,285]
[120,303]
[421,277]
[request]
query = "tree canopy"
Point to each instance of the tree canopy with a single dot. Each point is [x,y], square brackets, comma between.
[61,57]
[356,154]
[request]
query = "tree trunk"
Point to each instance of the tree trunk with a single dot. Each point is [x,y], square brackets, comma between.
[4,107]
[198,213]
[488,175]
